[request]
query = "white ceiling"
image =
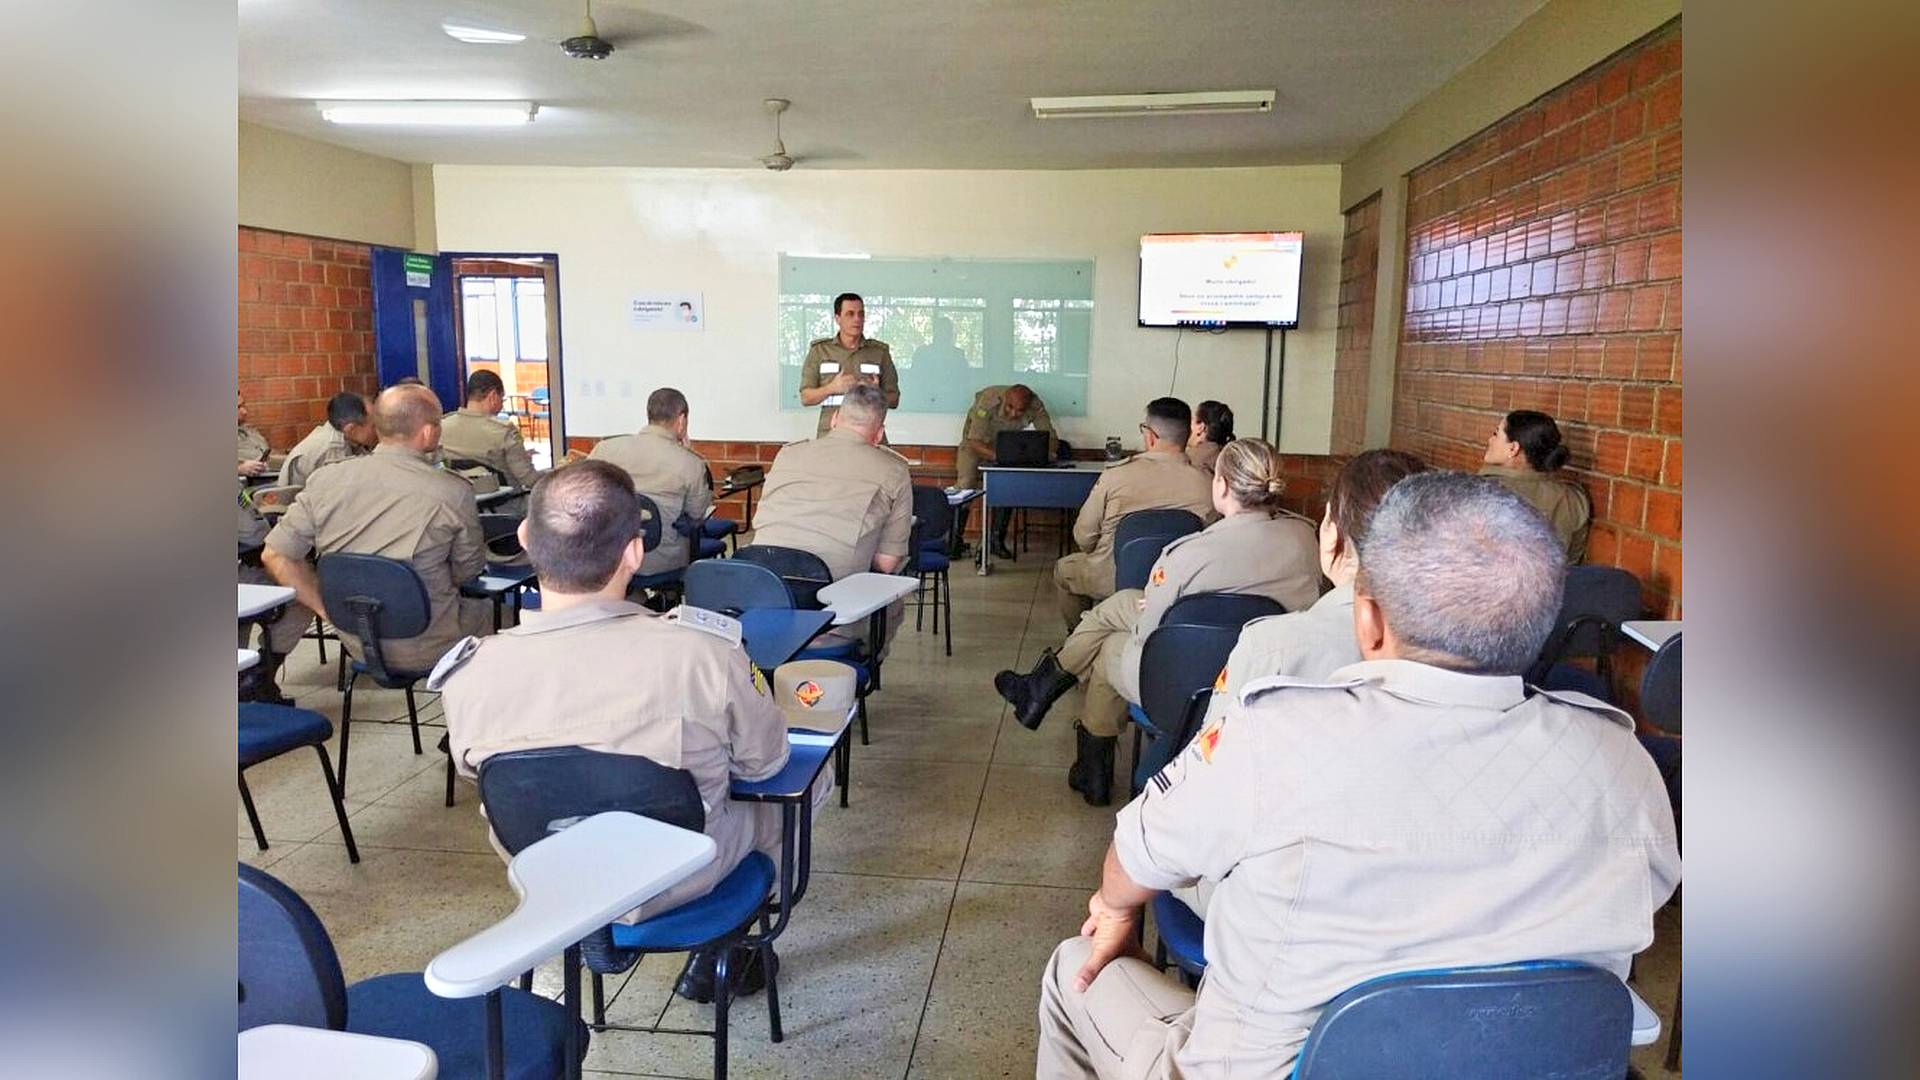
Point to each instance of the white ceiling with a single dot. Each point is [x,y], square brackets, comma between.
[874,84]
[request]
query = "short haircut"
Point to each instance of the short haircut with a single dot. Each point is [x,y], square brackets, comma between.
[1170,419]
[1539,439]
[1219,421]
[403,409]
[864,407]
[1467,575]
[346,407]
[847,297]
[580,517]
[1358,488]
[1021,392]
[666,405]
[483,382]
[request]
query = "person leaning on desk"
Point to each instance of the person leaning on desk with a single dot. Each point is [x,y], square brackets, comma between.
[849,358]
[996,409]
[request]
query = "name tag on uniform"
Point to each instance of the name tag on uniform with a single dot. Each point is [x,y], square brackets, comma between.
[831,367]
[869,369]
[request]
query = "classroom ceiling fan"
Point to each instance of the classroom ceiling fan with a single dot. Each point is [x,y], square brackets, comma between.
[585,42]
[779,160]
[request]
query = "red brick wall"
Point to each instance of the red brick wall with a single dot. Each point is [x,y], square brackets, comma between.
[1353,348]
[306,329]
[1543,272]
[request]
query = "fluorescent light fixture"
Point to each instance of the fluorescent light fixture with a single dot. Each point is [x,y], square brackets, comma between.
[429,113]
[1210,101]
[475,35]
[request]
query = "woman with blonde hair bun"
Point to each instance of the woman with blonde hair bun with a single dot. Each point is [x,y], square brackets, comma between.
[1256,547]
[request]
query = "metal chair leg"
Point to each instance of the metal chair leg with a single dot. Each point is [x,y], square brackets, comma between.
[946,587]
[335,792]
[721,996]
[863,721]
[599,999]
[845,768]
[413,720]
[526,981]
[449,778]
[773,988]
[570,997]
[320,639]
[1673,1043]
[253,816]
[346,724]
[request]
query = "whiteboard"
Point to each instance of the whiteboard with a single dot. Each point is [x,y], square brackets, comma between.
[954,325]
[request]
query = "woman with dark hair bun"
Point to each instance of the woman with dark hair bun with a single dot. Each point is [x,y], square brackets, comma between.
[1212,429]
[1525,454]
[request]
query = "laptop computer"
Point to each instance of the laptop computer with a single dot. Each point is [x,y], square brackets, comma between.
[1021,449]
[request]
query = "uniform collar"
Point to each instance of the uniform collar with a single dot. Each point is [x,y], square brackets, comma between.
[468,410]
[395,450]
[540,622]
[1244,519]
[846,434]
[660,433]
[1415,681]
[1505,470]
[1338,596]
[1164,455]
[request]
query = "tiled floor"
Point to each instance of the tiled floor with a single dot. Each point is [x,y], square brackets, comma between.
[936,898]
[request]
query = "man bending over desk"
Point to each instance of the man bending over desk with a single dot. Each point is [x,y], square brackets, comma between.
[595,670]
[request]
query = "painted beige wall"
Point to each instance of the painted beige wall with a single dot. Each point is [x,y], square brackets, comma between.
[298,185]
[1562,39]
[619,231]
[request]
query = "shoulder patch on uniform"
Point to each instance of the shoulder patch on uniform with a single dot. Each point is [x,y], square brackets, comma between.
[452,660]
[1588,702]
[759,679]
[980,413]
[1274,683]
[819,341]
[895,453]
[1159,576]
[876,342]
[707,622]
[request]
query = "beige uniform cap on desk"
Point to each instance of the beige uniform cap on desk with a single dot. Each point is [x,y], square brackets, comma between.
[814,695]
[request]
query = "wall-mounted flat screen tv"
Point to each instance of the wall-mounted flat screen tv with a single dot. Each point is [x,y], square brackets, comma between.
[1213,281]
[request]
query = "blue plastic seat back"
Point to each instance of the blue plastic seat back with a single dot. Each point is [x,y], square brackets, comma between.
[268,731]
[1660,688]
[1548,1018]
[1577,679]
[289,973]
[731,586]
[1595,601]
[526,792]
[1168,523]
[932,521]
[1133,561]
[804,572]
[650,524]
[1220,609]
[376,599]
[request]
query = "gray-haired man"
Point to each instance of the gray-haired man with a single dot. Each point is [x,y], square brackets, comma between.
[1451,814]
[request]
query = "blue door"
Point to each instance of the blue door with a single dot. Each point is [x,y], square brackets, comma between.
[413,322]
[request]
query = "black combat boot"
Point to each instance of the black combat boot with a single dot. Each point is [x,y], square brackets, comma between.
[1032,694]
[1092,772]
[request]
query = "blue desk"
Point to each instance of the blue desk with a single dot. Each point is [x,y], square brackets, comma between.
[773,635]
[807,756]
[496,584]
[1038,488]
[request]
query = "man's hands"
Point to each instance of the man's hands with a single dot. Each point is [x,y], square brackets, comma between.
[843,382]
[252,468]
[1112,930]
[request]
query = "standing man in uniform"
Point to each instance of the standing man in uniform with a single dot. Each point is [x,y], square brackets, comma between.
[843,497]
[392,502]
[997,409]
[667,472]
[474,432]
[1451,815]
[1157,478]
[347,433]
[595,670]
[835,365]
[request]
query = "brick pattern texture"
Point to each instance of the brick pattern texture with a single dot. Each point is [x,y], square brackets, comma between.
[1543,272]
[1352,355]
[306,329]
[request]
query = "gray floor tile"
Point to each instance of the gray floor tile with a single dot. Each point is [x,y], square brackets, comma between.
[905,819]
[1034,830]
[290,792]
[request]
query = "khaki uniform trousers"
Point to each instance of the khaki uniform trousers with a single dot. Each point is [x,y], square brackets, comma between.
[284,633]
[1095,644]
[1129,1024]
[1082,582]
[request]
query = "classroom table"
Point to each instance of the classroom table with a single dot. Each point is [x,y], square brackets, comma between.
[495,584]
[257,600]
[858,596]
[1043,487]
[772,636]
[570,884]
[729,488]
[1651,633]
[791,789]
[248,658]
[489,498]
[289,1052]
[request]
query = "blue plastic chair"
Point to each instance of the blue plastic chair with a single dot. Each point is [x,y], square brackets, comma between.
[927,558]
[529,793]
[731,586]
[290,974]
[1542,1018]
[267,731]
[1178,667]
[1220,609]
[1133,561]
[1167,522]
[1182,938]
[1596,600]
[671,583]
[378,600]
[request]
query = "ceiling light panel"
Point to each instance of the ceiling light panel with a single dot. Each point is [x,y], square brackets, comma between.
[1185,104]
[429,113]
[478,35]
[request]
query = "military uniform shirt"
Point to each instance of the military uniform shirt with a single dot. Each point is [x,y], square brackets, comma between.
[840,498]
[1309,644]
[253,445]
[1562,502]
[1399,818]
[470,433]
[393,503]
[674,477]
[826,357]
[324,445]
[1203,454]
[984,424]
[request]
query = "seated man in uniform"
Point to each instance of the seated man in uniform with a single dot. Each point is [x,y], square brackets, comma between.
[472,432]
[254,451]
[392,502]
[347,433]
[664,470]
[843,497]
[997,409]
[594,670]
[1158,478]
[1452,815]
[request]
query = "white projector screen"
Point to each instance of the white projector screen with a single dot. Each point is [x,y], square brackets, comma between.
[1213,280]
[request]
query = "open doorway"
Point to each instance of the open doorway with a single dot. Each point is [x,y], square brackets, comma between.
[507,320]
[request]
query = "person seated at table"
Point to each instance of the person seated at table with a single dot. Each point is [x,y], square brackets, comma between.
[1255,548]
[666,471]
[254,449]
[845,498]
[347,433]
[473,432]
[1212,430]
[395,503]
[1525,453]
[1157,478]
[592,669]
[996,409]
[283,634]
[1422,809]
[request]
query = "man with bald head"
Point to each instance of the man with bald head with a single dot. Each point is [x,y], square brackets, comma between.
[392,502]
[996,409]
